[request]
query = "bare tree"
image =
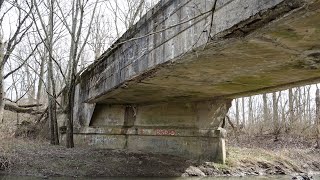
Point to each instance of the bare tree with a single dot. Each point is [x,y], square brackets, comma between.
[275,115]
[243,113]
[127,12]
[100,34]
[317,122]
[291,110]
[77,46]
[48,31]
[52,106]
[237,112]
[41,75]
[7,48]
[250,112]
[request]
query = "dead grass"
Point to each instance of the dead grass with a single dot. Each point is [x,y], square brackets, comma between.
[257,161]
[255,156]
[8,126]
[261,155]
[7,156]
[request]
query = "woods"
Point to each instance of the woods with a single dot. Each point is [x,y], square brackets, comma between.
[294,111]
[36,64]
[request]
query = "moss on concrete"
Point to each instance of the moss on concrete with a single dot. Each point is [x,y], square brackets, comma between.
[287,33]
[269,58]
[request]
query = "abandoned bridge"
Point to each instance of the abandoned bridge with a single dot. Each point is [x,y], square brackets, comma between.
[168,82]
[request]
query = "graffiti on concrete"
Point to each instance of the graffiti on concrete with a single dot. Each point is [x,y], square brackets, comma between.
[103,140]
[165,132]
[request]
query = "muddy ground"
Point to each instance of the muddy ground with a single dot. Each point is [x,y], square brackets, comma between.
[38,158]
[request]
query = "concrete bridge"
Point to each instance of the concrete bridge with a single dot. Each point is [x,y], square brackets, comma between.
[166,85]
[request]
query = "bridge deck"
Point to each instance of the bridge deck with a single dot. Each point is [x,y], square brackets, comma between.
[241,58]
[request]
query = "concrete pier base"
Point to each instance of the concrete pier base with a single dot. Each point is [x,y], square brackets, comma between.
[189,129]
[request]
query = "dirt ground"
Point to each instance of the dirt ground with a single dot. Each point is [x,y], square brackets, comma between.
[41,159]
[38,158]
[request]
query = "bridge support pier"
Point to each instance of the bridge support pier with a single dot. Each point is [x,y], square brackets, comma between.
[187,129]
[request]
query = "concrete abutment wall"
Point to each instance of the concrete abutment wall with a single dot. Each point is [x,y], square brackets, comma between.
[188,129]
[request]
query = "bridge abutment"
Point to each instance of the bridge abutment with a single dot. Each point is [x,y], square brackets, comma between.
[187,129]
[168,56]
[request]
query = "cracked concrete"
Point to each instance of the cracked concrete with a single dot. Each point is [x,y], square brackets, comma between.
[241,56]
[241,59]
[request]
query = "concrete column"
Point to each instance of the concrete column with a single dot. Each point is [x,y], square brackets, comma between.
[222,154]
[211,115]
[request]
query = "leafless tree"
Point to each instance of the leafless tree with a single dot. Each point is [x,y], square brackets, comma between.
[126,13]
[100,35]
[77,45]
[318,117]
[243,113]
[48,53]
[7,46]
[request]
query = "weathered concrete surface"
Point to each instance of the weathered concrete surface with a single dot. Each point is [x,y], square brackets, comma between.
[197,148]
[171,68]
[183,129]
[168,90]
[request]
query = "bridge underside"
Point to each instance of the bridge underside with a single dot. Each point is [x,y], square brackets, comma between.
[282,54]
[177,106]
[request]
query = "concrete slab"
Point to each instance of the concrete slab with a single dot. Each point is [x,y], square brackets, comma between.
[258,46]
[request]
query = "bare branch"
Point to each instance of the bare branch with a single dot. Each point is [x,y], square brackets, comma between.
[23,63]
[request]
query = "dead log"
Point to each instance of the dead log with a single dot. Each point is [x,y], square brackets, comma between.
[15,108]
[30,105]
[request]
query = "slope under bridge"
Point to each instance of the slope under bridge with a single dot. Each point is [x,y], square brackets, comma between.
[167,83]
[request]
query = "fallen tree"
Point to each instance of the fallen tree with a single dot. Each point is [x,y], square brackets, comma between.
[30,105]
[10,106]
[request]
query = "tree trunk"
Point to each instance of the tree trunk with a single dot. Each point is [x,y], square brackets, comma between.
[39,89]
[237,112]
[275,115]
[291,112]
[265,107]
[299,105]
[243,114]
[251,119]
[71,73]
[2,95]
[309,106]
[69,135]
[52,106]
[1,2]
[76,50]
[317,121]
